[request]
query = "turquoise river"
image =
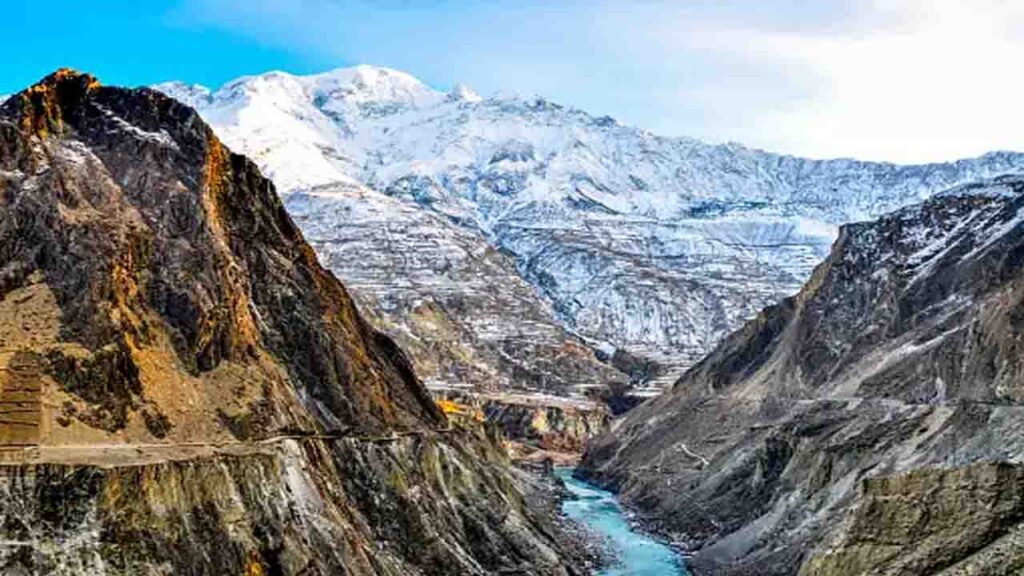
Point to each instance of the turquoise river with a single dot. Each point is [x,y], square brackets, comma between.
[637,554]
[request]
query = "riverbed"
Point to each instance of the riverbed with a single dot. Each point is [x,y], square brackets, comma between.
[637,553]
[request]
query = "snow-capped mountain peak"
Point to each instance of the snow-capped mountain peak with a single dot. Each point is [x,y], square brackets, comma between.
[462,93]
[373,85]
[195,95]
[655,245]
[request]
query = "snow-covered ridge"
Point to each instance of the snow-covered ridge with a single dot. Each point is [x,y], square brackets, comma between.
[654,245]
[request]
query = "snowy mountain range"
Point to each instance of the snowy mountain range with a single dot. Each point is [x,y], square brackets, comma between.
[649,249]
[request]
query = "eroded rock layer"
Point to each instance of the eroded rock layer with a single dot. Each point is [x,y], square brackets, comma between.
[548,425]
[423,504]
[933,522]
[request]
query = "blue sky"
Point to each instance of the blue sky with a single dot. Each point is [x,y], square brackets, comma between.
[900,80]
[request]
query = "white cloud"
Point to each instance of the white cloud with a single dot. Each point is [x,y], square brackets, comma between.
[940,82]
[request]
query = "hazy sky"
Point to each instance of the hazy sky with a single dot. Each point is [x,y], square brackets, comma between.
[906,81]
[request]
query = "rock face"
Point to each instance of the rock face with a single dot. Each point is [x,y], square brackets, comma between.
[454,301]
[185,390]
[416,505]
[901,352]
[552,426]
[647,246]
[456,304]
[935,522]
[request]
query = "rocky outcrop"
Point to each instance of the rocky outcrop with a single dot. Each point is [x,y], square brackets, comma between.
[932,523]
[184,389]
[901,352]
[551,425]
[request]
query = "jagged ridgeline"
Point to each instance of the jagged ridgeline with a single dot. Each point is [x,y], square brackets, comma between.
[495,235]
[185,390]
[891,385]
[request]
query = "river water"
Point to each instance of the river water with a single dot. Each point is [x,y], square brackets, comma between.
[638,554]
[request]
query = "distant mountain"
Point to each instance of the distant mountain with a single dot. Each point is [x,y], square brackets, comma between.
[456,303]
[650,246]
[185,390]
[904,351]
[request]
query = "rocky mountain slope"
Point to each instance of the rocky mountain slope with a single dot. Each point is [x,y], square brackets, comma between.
[903,351]
[653,247]
[184,389]
[936,522]
[474,329]
[453,301]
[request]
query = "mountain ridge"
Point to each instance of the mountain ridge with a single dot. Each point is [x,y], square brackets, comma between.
[900,354]
[640,243]
[185,389]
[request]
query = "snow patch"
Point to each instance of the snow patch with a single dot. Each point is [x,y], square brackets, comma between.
[162,137]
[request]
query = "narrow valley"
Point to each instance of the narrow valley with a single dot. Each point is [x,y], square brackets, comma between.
[664,288]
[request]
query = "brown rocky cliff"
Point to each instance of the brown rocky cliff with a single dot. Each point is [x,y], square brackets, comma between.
[184,390]
[154,238]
